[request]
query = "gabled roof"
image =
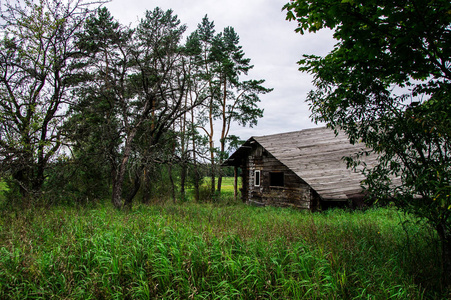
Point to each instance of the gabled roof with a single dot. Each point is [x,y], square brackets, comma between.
[315,155]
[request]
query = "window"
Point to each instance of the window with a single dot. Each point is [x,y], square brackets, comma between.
[257,178]
[276,179]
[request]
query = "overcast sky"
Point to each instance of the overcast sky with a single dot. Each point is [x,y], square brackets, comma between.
[267,39]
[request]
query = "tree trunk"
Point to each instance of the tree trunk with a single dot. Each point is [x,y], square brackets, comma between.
[171,179]
[196,173]
[183,178]
[223,133]
[222,149]
[119,176]
[195,169]
[212,155]
[213,179]
[219,182]
[38,180]
[196,183]
[184,146]
[212,170]
[136,185]
[23,173]
[116,197]
[147,187]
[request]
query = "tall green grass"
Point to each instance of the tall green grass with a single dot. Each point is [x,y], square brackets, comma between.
[206,251]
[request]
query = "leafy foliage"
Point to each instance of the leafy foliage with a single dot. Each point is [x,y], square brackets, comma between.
[389,52]
[37,73]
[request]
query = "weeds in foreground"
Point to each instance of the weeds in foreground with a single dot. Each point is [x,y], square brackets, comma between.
[206,251]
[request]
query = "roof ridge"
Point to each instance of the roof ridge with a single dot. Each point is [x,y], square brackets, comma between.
[289,132]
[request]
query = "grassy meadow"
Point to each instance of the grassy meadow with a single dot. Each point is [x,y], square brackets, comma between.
[215,251]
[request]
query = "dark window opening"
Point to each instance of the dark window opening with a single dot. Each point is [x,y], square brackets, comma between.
[276,179]
[257,178]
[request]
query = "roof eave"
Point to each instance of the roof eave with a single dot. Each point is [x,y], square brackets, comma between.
[237,157]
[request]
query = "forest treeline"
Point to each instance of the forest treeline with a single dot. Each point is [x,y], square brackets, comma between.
[91,108]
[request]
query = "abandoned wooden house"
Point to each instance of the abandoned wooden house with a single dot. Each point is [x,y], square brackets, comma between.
[302,169]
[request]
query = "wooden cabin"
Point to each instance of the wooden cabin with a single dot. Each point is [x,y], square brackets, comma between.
[303,169]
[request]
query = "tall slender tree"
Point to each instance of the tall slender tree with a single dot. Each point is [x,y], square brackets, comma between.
[238,100]
[206,33]
[198,90]
[230,98]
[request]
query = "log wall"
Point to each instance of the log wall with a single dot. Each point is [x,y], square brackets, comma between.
[294,192]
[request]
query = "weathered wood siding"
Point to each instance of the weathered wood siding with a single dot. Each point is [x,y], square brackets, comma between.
[294,192]
[315,155]
[312,161]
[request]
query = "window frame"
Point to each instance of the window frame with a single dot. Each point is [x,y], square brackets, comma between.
[259,177]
